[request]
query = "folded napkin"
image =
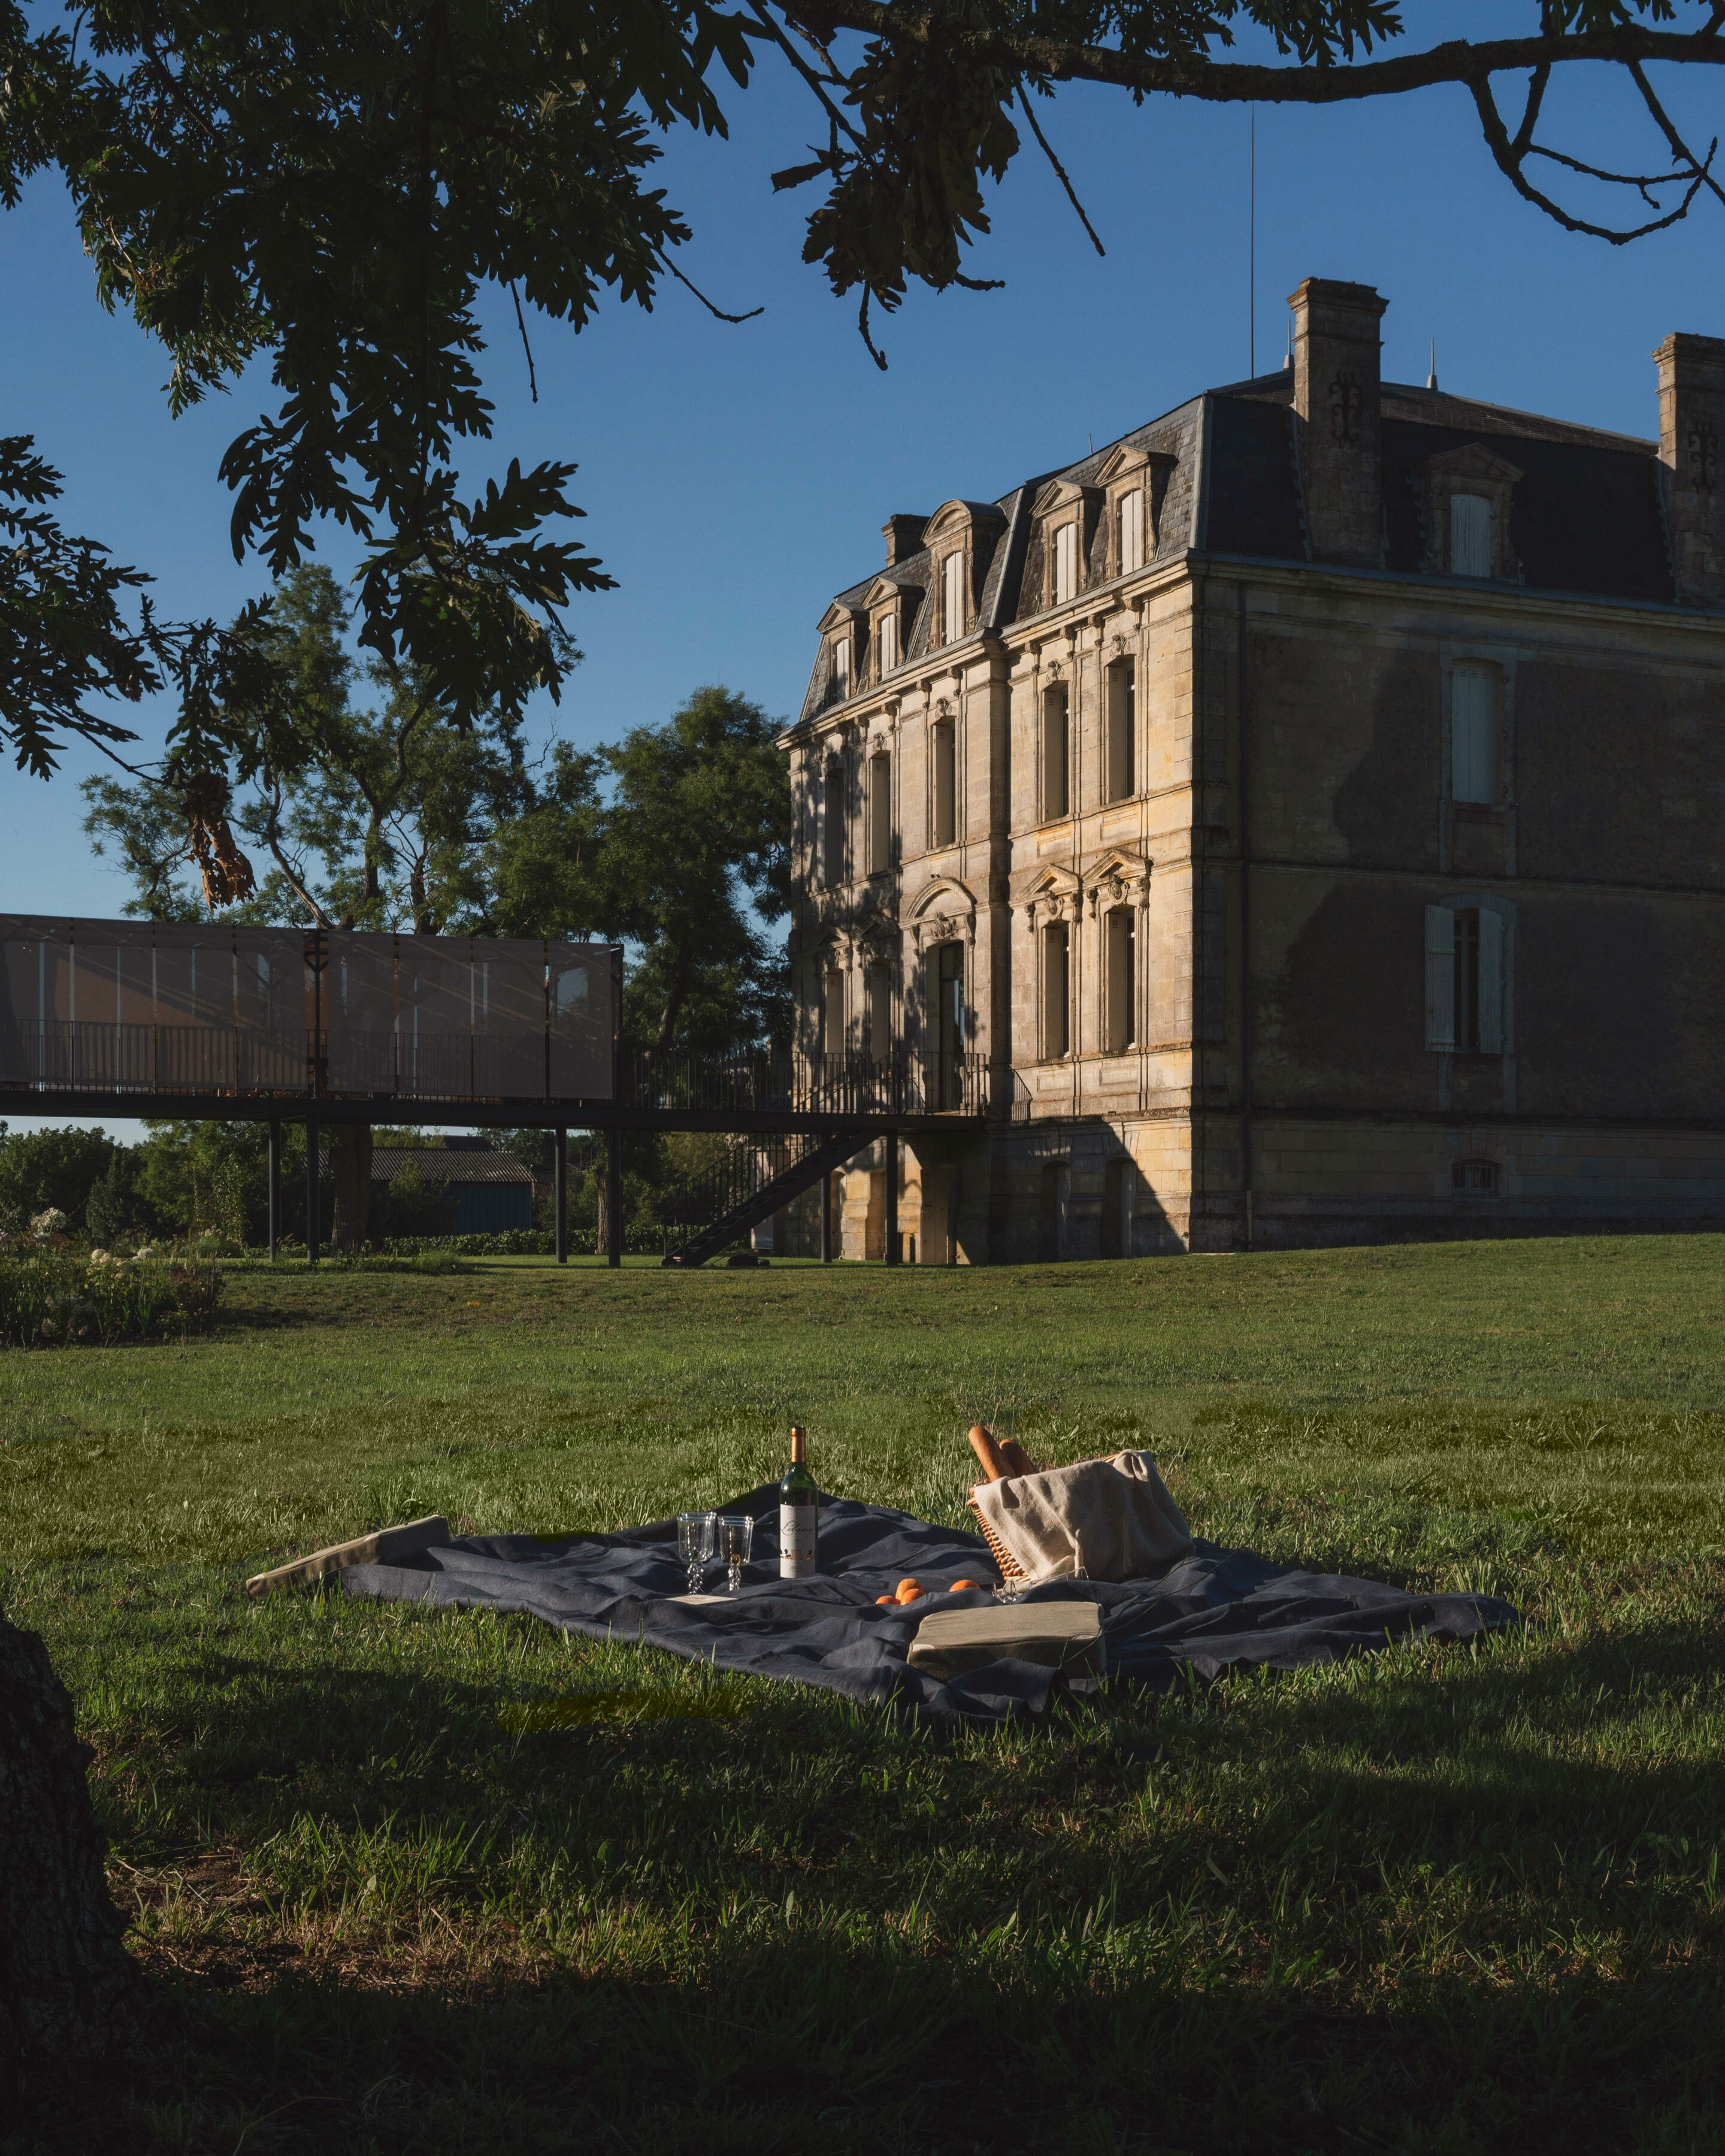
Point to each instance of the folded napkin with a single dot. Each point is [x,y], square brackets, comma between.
[1110,1519]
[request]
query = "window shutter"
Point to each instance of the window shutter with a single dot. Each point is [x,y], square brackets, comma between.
[952,579]
[1470,535]
[1473,734]
[1490,983]
[1131,532]
[1440,976]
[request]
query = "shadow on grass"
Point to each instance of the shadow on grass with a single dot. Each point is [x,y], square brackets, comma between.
[1429,1901]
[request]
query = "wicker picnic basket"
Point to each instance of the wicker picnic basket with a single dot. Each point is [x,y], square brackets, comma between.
[999,1463]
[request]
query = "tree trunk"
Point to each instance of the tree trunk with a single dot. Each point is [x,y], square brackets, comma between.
[351,1165]
[601,1242]
[65,1980]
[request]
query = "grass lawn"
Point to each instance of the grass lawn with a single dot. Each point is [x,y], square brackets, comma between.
[1422,1901]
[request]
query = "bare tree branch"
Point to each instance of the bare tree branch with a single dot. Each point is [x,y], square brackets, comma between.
[1060,172]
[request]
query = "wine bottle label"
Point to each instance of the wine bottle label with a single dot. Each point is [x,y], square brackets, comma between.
[796,1541]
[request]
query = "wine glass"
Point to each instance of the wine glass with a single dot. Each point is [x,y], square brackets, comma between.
[694,1539]
[736,1539]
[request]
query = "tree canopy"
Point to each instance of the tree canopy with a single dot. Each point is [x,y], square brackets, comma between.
[335,189]
[367,809]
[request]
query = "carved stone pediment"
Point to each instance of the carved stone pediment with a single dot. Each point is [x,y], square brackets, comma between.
[944,909]
[1124,460]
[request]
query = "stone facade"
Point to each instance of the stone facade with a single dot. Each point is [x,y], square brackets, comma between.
[1305,811]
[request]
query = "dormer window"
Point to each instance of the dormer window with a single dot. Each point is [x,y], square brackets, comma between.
[1467,498]
[952,598]
[1131,529]
[841,668]
[1066,563]
[887,643]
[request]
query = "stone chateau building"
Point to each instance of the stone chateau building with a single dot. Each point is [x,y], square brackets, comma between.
[1306,816]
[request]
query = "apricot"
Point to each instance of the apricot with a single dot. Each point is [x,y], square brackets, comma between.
[960,1586]
[909,1590]
[890,1600]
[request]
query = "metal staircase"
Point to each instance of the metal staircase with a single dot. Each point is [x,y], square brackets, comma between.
[757,1177]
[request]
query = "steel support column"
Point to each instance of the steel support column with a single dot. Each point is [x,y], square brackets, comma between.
[561,1178]
[826,1219]
[275,1185]
[892,1253]
[314,1224]
[613,1196]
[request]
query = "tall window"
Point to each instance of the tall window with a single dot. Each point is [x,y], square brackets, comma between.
[946,784]
[1056,991]
[879,1013]
[1122,979]
[1464,979]
[1473,734]
[841,669]
[1470,535]
[1122,721]
[1066,563]
[832,1013]
[952,597]
[887,643]
[1055,792]
[879,812]
[947,987]
[1132,532]
[832,836]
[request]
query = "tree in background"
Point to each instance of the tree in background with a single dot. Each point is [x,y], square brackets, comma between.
[676,841]
[55,1168]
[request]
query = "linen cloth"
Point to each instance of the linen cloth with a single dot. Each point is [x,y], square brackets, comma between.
[1212,1611]
[1108,1519]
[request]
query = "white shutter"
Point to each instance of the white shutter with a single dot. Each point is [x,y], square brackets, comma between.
[1440,976]
[1473,734]
[953,582]
[1490,983]
[1131,532]
[1066,563]
[1470,535]
[888,644]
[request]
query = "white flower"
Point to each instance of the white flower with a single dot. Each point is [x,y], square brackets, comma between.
[48,1223]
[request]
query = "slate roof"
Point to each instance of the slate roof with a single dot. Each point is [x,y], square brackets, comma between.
[1586,519]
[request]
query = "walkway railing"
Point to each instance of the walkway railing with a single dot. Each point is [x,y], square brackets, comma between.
[64,1055]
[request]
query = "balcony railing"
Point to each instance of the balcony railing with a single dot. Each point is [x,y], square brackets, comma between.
[782,1080]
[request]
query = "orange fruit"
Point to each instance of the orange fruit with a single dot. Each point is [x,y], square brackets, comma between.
[890,1600]
[910,1590]
[960,1586]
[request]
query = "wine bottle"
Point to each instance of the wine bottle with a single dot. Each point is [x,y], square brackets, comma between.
[798,1508]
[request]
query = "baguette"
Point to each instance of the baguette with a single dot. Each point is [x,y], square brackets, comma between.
[993,1461]
[1018,1460]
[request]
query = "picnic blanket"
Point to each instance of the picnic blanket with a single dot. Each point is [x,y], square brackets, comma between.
[1209,1610]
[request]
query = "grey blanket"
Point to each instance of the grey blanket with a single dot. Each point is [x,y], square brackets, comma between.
[1213,1610]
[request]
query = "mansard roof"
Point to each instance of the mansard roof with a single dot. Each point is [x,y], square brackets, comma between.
[1586,518]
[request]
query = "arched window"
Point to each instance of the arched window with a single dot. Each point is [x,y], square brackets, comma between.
[945,803]
[832,836]
[1055,758]
[880,812]
[1120,761]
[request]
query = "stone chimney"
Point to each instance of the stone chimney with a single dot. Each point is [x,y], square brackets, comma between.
[1691,417]
[1336,395]
[903,535]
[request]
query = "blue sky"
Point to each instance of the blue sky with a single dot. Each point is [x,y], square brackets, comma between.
[734,478]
